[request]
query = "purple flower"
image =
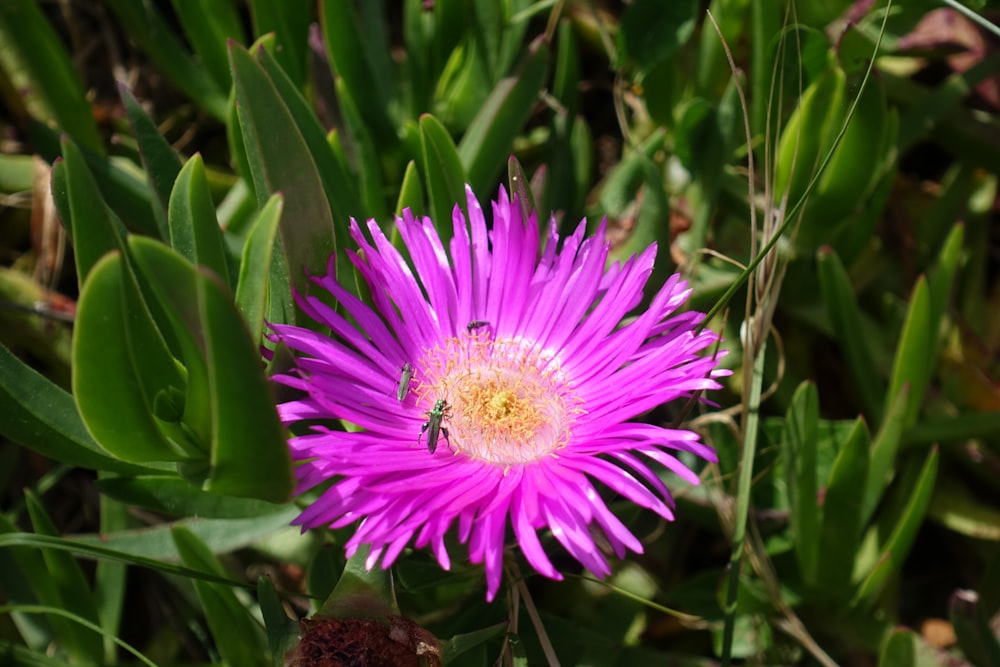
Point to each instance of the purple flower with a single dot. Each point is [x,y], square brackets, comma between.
[520,364]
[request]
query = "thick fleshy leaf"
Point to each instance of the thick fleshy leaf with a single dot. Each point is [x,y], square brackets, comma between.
[957,508]
[289,21]
[882,464]
[93,228]
[799,449]
[161,162]
[369,159]
[517,182]
[411,192]
[143,22]
[972,622]
[360,592]
[172,495]
[255,268]
[194,229]
[912,365]
[634,192]
[459,644]
[24,580]
[228,404]
[236,635]
[941,278]
[107,386]
[69,586]
[109,578]
[208,25]
[905,648]
[893,551]
[652,31]
[282,631]
[250,457]
[443,172]
[153,546]
[488,140]
[126,194]
[280,162]
[842,308]
[41,416]
[841,531]
[36,64]
[339,182]
[172,283]
[357,64]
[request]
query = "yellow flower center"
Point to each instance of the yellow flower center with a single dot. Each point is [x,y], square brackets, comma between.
[510,403]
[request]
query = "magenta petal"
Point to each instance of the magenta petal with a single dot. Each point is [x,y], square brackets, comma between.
[530,365]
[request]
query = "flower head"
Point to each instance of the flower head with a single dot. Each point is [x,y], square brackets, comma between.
[493,385]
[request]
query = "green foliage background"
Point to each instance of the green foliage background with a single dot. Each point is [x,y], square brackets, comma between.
[823,173]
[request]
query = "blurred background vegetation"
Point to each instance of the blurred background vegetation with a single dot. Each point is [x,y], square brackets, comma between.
[823,172]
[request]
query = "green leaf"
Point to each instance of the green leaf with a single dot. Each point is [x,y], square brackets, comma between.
[464,85]
[360,592]
[69,590]
[162,164]
[42,417]
[228,397]
[959,509]
[255,268]
[566,79]
[194,229]
[282,631]
[39,69]
[209,24]
[799,450]
[250,456]
[109,392]
[913,363]
[904,648]
[368,160]
[126,194]
[411,192]
[459,644]
[652,31]
[173,495]
[840,534]
[842,308]
[25,580]
[339,182]
[109,579]
[280,162]
[883,456]
[92,227]
[490,137]
[143,23]
[354,61]
[517,182]
[808,135]
[634,191]
[701,145]
[904,528]
[236,635]
[443,172]
[941,279]
[289,21]
[93,546]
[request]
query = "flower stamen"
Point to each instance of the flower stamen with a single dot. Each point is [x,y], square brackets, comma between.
[510,403]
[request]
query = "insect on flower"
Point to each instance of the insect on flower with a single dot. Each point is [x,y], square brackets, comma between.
[404,382]
[433,426]
[551,406]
